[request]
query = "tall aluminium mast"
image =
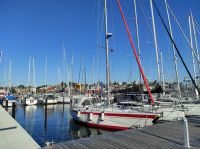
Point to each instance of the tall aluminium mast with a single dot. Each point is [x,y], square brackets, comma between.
[155,40]
[191,43]
[29,72]
[45,73]
[195,39]
[71,77]
[9,75]
[188,42]
[174,52]
[162,72]
[64,64]
[137,33]
[93,70]
[34,83]
[107,36]
[135,53]
[58,75]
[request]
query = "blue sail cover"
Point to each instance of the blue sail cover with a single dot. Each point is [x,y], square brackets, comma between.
[10,97]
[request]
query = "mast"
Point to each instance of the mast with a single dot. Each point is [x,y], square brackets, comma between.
[9,75]
[93,70]
[85,77]
[71,77]
[59,78]
[107,36]
[65,64]
[137,34]
[162,72]
[135,53]
[193,61]
[195,39]
[155,40]
[5,75]
[45,73]
[174,52]
[34,84]
[177,22]
[81,73]
[29,71]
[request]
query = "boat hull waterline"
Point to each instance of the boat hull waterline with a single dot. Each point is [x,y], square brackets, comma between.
[112,120]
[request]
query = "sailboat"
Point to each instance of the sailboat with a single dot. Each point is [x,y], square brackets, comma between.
[9,97]
[62,97]
[29,99]
[92,112]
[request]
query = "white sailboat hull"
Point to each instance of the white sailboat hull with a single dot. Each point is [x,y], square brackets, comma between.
[30,102]
[9,103]
[190,109]
[50,101]
[65,100]
[113,120]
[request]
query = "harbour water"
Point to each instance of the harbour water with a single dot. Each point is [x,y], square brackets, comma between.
[58,126]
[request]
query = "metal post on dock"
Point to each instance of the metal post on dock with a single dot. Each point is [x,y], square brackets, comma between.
[63,104]
[25,102]
[6,105]
[2,102]
[186,133]
[45,116]
[13,109]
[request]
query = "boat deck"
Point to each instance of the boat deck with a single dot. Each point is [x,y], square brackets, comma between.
[12,135]
[162,136]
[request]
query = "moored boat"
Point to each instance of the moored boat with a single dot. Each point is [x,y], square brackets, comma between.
[47,99]
[10,99]
[29,100]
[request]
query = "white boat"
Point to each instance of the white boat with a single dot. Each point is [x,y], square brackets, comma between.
[89,111]
[189,109]
[167,98]
[63,99]
[30,100]
[10,102]
[10,99]
[49,98]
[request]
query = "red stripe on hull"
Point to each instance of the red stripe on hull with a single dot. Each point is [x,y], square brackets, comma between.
[105,127]
[122,115]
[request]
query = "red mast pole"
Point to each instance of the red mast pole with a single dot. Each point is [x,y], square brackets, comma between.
[135,53]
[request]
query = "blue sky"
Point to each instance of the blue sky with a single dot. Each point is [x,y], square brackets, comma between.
[38,28]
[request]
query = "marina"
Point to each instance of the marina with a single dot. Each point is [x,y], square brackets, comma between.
[135,85]
[61,131]
[57,126]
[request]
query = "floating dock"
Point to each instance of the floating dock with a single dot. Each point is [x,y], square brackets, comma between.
[163,136]
[12,135]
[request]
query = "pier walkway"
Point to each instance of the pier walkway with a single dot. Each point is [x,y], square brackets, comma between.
[163,136]
[12,135]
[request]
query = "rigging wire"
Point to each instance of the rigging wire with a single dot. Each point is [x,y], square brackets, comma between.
[135,53]
[177,50]
[100,21]
[177,22]
[143,12]
[142,6]
[197,25]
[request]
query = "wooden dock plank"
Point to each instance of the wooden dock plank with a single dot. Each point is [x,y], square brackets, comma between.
[164,135]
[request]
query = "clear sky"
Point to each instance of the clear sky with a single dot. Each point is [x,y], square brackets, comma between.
[38,28]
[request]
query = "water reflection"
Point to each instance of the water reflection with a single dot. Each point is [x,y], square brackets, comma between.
[52,122]
[78,131]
